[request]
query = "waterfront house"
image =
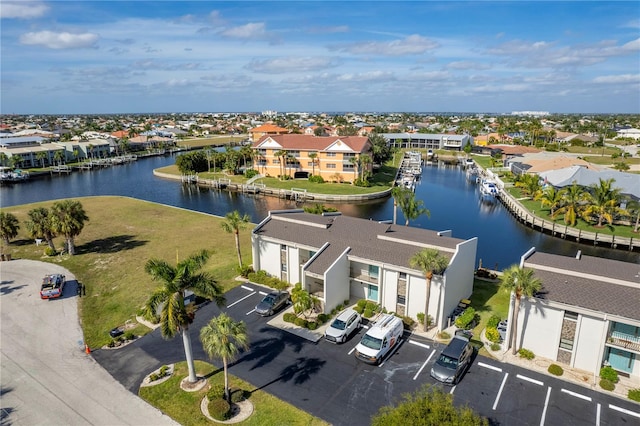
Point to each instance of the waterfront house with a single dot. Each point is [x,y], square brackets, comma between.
[266,129]
[338,258]
[335,160]
[586,315]
[428,141]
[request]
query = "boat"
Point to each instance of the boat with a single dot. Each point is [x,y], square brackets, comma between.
[489,190]
[9,175]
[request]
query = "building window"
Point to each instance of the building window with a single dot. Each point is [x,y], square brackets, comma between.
[283,247]
[348,167]
[348,156]
[331,154]
[401,300]
[372,292]
[283,267]
[294,153]
[276,161]
[331,166]
[310,164]
[262,151]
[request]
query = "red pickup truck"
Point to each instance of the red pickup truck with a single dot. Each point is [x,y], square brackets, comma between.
[52,286]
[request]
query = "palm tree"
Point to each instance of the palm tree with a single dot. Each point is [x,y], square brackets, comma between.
[4,158]
[39,225]
[280,155]
[174,316]
[365,161]
[603,202]
[430,262]
[530,185]
[8,226]
[521,282]
[58,156]
[551,197]
[224,338]
[633,207]
[411,207]
[356,166]
[397,192]
[313,156]
[40,157]
[67,218]
[233,224]
[571,207]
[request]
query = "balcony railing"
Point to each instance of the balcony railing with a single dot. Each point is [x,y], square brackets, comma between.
[623,340]
[364,275]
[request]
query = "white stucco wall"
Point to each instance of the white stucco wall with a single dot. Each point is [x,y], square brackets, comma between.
[588,343]
[357,289]
[539,328]
[388,289]
[417,294]
[458,281]
[336,283]
[269,257]
[293,267]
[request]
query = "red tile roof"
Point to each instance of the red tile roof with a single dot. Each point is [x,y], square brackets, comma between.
[268,128]
[316,143]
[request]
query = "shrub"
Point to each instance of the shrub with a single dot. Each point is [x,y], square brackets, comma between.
[50,252]
[371,305]
[312,325]
[359,309]
[322,318]
[238,395]
[129,335]
[289,317]
[368,313]
[495,347]
[361,303]
[492,335]
[164,370]
[215,392]
[339,308]
[420,316]
[526,354]
[555,369]
[408,322]
[467,318]
[300,322]
[334,311]
[249,173]
[607,384]
[634,394]
[316,179]
[608,373]
[443,335]
[244,270]
[362,182]
[219,409]
[493,321]
[346,302]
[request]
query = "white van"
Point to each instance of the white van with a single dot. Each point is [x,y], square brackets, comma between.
[380,339]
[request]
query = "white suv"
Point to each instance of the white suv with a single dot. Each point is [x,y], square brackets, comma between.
[343,326]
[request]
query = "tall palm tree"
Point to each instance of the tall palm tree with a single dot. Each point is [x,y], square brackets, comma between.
[67,218]
[633,207]
[551,197]
[4,158]
[356,167]
[41,156]
[8,226]
[530,185]
[603,202]
[398,192]
[224,338]
[573,198]
[174,316]
[233,224]
[313,156]
[430,262]
[411,207]
[521,282]
[280,154]
[39,225]
[365,161]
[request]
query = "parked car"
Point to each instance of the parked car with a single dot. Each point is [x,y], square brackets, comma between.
[272,303]
[454,360]
[52,286]
[380,339]
[345,324]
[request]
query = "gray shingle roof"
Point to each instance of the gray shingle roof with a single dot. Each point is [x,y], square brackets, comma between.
[363,236]
[586,283]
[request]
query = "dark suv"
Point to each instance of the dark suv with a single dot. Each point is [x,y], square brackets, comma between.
[453,361]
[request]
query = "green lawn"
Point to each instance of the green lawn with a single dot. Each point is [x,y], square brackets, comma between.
[120,236]
[184,407]
[487,299]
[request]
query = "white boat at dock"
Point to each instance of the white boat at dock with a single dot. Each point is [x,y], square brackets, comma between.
[489,190]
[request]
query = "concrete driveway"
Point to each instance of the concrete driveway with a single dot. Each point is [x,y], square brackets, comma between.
[46,376]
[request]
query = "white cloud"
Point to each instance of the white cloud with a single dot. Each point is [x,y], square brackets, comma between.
[22,10]
[61,40]
[250,31]
[411,45]
[329,30]
[371,76]
[618,79]
[292,64]
[467,65]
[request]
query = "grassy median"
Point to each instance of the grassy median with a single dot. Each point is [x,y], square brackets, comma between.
[120,236]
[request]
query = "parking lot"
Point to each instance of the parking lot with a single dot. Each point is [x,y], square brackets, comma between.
[327,380]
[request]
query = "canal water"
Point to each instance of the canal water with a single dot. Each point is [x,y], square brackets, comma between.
[452,200]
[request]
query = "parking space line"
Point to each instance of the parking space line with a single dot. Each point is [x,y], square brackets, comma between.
[353,349]
[529,379]
[495,403]
[424,364]
[262,293]
[246,288]
[390,354]
[452,389]
[491,367]
[624,410]
[413,342]
[251,311]
[238,301]
[598,408]
[577,395]
[546,404]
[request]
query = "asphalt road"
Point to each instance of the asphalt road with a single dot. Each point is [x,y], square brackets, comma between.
[327,381]
[46,376]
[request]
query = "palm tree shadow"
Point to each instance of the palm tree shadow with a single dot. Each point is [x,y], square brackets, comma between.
[6,287]
[298,372]
[112,244]
[266,350]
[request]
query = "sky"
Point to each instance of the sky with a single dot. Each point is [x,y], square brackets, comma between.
[97,57]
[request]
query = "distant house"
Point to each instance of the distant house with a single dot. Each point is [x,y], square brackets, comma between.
[586,314]
[428,141]
[335,155]
[337,258]
[629,133]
